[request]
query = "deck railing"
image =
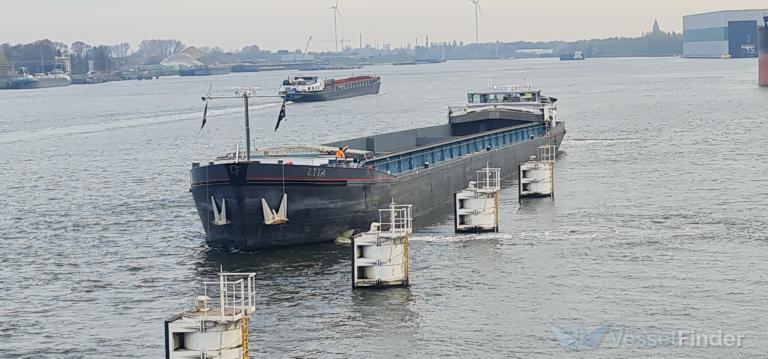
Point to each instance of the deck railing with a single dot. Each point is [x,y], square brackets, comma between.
[396,220]
[232,296]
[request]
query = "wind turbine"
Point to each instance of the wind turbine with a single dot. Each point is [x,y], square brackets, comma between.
[335,10]
[476,3]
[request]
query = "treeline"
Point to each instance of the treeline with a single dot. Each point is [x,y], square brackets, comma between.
[43,55]
[653,44]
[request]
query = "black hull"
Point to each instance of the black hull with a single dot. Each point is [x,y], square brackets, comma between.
[571,57]
[205,71]
[334,94]
[38,84]
[321,208]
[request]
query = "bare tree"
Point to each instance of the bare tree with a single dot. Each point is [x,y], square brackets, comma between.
[251,52]
[120,50]
[80,49]
[165,47]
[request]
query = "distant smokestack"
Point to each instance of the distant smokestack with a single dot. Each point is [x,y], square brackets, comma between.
[762,44]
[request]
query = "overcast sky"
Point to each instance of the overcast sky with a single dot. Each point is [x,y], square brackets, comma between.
[286,24]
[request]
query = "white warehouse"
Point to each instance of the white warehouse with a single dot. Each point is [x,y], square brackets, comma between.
[722,34]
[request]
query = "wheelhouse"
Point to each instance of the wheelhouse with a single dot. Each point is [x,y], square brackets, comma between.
[504,96]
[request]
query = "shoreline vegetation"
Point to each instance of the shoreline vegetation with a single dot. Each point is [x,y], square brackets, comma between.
[162,57]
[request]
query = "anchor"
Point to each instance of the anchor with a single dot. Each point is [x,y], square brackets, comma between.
[345,237]
[220,217]
[270,216]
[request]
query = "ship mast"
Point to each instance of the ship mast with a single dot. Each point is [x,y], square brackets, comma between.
[246,94]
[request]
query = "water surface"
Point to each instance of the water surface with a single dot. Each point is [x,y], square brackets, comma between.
[659,221]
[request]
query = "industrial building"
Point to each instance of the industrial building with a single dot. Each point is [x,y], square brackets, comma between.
[722,34]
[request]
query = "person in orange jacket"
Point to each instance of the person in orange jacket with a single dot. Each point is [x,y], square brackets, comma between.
[340,155]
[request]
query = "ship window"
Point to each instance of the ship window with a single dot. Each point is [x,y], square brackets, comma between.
[528,96]
[484,98]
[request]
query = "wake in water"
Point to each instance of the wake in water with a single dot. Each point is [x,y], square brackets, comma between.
[32,135]
[603,140]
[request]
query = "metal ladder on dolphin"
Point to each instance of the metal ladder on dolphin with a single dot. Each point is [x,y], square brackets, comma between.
[245,337]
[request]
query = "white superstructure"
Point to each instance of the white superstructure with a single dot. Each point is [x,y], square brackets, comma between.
[380,256]
[524,102]
[536,178]
[217,327]
[301,84]
[477,206]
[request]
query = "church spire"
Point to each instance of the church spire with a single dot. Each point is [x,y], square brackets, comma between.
[656,28]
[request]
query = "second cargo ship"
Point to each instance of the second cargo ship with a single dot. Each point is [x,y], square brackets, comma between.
[313,88]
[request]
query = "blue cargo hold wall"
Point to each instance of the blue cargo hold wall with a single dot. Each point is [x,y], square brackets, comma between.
[742,38]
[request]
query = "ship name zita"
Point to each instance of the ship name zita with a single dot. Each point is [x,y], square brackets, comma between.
[273,197]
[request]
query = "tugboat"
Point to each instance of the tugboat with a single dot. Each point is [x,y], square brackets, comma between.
[313,88]
[274,197]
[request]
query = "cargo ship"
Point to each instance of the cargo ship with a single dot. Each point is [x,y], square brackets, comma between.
[419,62]
[208,70]
[313,88]
[25,80]
[275,197]
[572,56]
